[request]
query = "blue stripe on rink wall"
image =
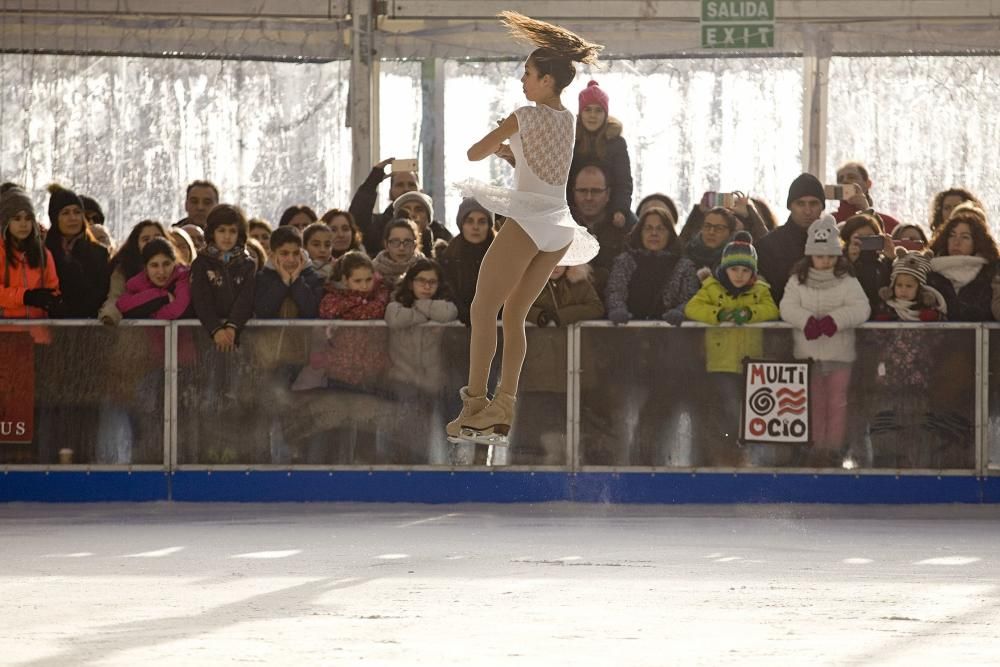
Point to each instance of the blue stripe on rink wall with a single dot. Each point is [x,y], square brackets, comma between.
[491,487]
[83,487]
[386,486]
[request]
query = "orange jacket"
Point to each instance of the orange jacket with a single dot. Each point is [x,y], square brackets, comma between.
[21,279]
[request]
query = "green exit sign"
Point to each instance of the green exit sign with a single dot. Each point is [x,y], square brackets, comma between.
[737,24]
[735,36]
[737,11]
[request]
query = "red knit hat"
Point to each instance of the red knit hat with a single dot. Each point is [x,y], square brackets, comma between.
[593,94]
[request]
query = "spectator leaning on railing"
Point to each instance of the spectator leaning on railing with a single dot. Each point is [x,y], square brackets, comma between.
[824,303]
[222,278]
[964,265]
[30,287]
[651,280]
[126,264]
[288,287]
[162,290]
[732,294]
[82,262]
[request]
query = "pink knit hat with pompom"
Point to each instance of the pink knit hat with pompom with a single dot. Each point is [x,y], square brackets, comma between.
[593,94]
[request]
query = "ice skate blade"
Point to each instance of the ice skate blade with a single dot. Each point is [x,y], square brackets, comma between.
[490,439]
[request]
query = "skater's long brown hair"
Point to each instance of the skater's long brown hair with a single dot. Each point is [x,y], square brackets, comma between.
[557,50]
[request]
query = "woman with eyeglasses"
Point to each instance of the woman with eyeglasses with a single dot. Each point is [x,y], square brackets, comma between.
[704,249]
[401,238]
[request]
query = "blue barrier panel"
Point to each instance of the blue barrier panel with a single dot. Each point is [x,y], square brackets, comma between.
[777,488]
[384,486]
[83,487]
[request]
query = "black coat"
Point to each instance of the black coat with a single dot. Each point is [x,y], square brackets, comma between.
[223,292]
[270,292]
[873,271]
[778,252]
[84,276]
[372,225]
[616,165]
[460,262]
[973,302]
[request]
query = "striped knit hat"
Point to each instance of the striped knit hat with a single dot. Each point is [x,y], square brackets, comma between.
[916,264]
[739,252]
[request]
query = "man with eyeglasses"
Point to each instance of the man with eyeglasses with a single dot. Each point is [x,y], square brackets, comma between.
[590,208]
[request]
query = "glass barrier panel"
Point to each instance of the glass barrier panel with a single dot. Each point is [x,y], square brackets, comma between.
[81,394]
[993,399]
[668,397]
[339,393]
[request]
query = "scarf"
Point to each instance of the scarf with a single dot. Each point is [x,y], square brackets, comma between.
[390,269]
[822,279]
[701,255]
[960,270]
[906,310]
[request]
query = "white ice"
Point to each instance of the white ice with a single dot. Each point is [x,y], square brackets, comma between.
[551,584]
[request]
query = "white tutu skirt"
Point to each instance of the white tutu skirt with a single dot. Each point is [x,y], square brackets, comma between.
[545,218]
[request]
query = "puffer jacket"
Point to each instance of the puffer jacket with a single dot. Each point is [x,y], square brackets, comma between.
[144,300]
[354,356]
[415,351]
[616,164]
[569,300]
[845,301]
[726,346]
[21,279]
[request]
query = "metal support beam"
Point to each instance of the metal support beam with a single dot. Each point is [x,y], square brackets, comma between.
[432,133]
[363,106]
[815,99]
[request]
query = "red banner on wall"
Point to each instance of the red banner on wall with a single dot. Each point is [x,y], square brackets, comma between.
[17,387]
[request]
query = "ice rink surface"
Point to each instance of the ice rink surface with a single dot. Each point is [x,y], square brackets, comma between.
[551,584]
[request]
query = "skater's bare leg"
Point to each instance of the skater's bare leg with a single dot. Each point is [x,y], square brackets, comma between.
[504,264]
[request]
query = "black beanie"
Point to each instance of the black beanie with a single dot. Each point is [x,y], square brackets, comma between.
[806,185]
[90,205]
[61,198]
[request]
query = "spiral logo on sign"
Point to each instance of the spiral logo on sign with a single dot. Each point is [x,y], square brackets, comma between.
[762,401]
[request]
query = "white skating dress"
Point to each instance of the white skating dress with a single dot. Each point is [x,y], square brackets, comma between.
[543,152]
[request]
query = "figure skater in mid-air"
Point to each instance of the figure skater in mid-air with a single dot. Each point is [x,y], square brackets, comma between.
[539,233]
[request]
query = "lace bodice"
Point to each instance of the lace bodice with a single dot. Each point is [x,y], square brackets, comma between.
[542,147]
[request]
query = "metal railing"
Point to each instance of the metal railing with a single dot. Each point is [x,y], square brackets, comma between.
[243,411]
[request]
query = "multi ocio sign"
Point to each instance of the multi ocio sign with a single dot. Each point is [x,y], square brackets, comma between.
[776,402]
[737,24]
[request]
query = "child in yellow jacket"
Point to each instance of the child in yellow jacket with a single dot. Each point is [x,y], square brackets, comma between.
[734,296]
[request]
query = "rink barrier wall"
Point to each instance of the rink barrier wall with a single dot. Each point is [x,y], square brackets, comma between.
[430,484]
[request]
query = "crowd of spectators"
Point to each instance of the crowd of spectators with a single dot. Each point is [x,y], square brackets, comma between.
[729,264]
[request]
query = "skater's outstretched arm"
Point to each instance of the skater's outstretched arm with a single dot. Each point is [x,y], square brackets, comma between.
[489,144]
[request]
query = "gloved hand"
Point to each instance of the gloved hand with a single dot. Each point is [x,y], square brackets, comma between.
[546,317]
[725,315]
[811,329]
[742,315]
[673,317]
[827,326]
[929,315]
[619,316]
[41,297]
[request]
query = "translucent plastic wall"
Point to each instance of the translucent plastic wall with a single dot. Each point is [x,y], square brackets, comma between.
[921,124]
[691,124]
[133,132]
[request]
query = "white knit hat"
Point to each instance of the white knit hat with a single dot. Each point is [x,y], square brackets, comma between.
[822,239]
